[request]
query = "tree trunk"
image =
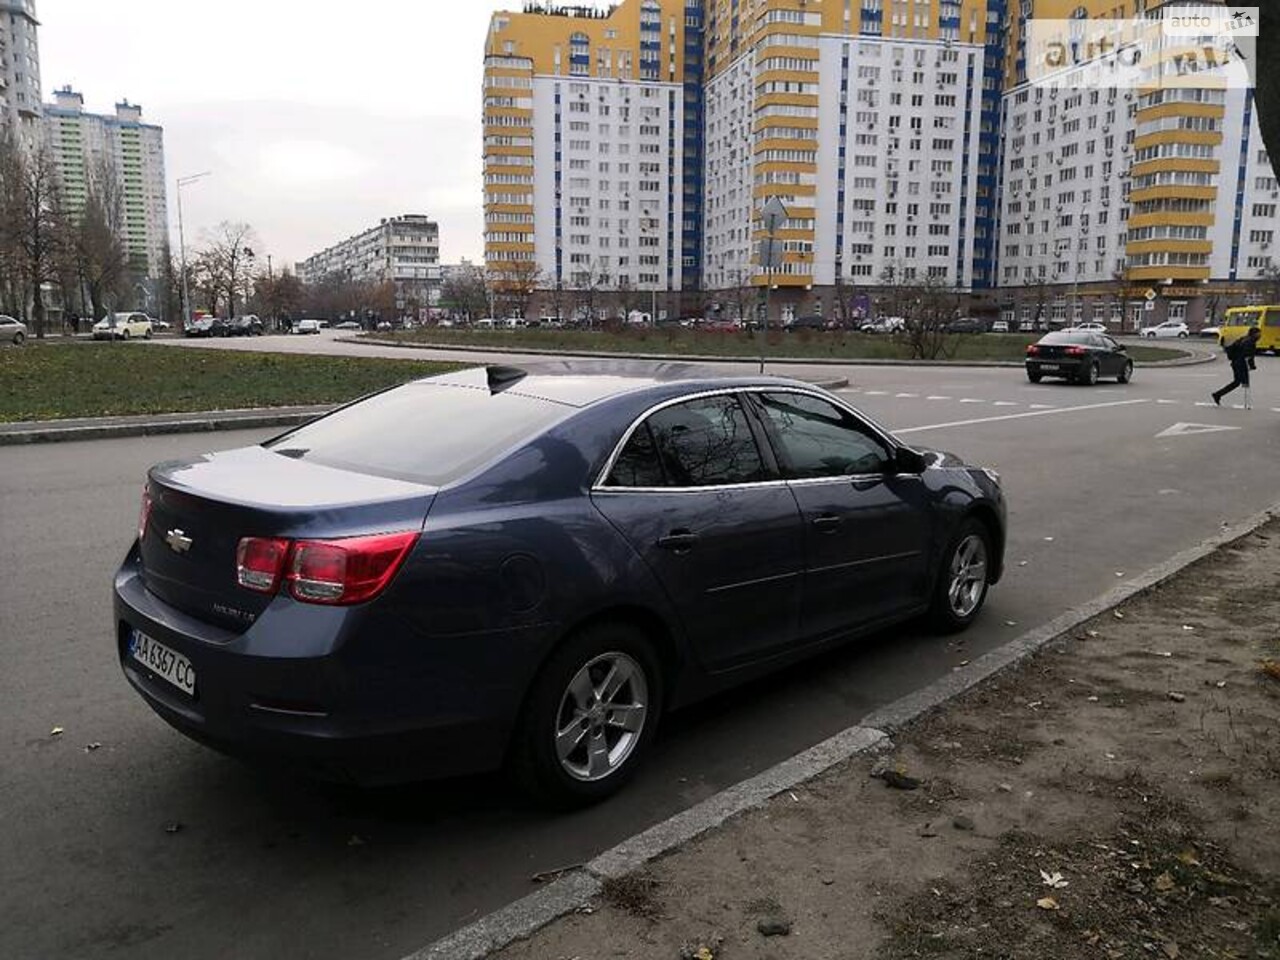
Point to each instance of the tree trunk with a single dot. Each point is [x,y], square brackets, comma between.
[37,310]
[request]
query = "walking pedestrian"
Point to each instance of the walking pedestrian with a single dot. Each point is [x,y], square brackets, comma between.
[1241,352]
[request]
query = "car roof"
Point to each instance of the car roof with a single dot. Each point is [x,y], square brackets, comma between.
[580,383]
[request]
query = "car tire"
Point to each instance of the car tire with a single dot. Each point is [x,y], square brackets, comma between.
[962,583]
[1126,374]
[18,338]
[1034,377]
[1182,336]
[554,710]
[1089,376]
[124,334]
[147,335]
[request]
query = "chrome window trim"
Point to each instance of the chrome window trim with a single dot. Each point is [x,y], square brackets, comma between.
[600,485]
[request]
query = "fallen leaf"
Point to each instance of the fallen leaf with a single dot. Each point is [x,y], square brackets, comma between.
[1022,563]
[1119,573]
[1093,699]
[1011,623]
[1220,684]
[1118,615]
[1164,882]
[55,732]
[1271,668]
[1053,880]
[90,747]
[1177,697]
[1047,903]
[1092,634]
[1187,628]
[1171,950]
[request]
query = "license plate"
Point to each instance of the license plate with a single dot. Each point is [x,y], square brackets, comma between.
[167,664]
[1048,366]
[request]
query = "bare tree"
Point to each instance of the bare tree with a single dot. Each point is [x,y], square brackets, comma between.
[515,284]
[101,258]
[465,293]
[928,305]
[224,265]
[588,286]
[33,229]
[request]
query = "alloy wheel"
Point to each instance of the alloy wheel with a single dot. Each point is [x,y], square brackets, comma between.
[968,576]
[601,717]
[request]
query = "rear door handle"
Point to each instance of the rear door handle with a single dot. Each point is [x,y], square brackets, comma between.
[866,483]
[827,523]
[679,541]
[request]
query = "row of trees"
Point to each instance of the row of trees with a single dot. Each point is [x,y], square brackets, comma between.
[46,244]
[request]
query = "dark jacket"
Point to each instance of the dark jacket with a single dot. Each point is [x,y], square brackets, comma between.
[1243,349]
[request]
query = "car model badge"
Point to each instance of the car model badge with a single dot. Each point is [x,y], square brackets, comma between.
[178,541]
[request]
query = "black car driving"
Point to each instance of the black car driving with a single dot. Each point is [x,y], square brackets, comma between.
[530,566]
[1080,356]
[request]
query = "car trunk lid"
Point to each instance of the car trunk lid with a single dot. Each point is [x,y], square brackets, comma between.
[201,508]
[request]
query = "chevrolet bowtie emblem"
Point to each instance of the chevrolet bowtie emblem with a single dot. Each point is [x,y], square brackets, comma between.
[178,541]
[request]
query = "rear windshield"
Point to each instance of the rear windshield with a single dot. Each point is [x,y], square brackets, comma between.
[422,432]
[1067,336]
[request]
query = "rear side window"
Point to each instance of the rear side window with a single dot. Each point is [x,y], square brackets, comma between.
[705,442]
[421,432]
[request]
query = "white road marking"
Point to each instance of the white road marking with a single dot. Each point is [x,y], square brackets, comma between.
[1191,429]
[968,400]
[1166,401]
[937,398]
[1020,416]
[877,393]
[1043,406]
[906,396]
[1205,403]
[1005,403]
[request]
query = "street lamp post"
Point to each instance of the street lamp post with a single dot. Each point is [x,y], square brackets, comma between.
[182,245]
[774,216]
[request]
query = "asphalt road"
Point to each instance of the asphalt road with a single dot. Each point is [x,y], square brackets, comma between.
[266,866]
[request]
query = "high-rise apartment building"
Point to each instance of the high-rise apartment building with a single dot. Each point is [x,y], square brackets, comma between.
[906,139]
[88,146]
[592,159]
[1112,195]
[19,68]
[402,250]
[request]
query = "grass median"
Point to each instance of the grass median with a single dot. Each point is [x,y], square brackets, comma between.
[62,381]
[675,341]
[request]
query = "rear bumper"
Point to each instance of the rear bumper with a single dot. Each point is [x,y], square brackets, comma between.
[1056,368]
[333,713]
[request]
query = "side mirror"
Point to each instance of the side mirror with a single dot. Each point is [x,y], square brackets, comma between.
[908,461]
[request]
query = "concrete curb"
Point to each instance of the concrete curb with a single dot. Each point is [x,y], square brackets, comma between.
[575,890]
[1188,361]
[49,431]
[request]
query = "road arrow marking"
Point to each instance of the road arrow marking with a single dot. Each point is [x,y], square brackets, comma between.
[1190,429]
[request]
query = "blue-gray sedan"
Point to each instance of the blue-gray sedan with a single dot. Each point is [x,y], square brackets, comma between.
[528,567]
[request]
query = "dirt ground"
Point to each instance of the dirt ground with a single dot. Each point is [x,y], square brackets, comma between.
[1116,796]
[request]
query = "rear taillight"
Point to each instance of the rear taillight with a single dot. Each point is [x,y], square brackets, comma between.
[144,514]
[1032,350]
[346,571]
[1076,351]
[336,572]
[260,563]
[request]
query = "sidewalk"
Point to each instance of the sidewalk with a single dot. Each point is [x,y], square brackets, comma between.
[1117,795]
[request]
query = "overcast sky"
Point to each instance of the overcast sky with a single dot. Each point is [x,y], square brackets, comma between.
[315,118]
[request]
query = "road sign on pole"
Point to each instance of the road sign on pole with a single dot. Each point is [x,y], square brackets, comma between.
[770,254]
[774,215]
[1150,294]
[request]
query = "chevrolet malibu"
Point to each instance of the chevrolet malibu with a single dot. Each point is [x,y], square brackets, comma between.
[528,567]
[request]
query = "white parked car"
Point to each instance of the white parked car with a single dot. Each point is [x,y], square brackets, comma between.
[1000,326]
[307,326]
[885,325]
[1170,328]
[12,331]
[123,326]
[1091,327]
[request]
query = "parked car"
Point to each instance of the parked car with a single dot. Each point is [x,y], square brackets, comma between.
[1211,333]
[1000,326]
[885,325]
[12,331]
[161,325]
[811,321]
[532,565]
[1091,327]
[1170,328]
[1033,326]
[123,326]
[208,327]
[249,326]
[348,325]
[306,326]
[967,325]
[1078,355]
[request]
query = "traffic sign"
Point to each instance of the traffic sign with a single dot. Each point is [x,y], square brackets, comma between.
[770,254]
[1149,306]
[774,215]
[1151,294]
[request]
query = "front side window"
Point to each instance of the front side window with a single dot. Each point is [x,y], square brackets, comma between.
[818,439]
[705,442]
